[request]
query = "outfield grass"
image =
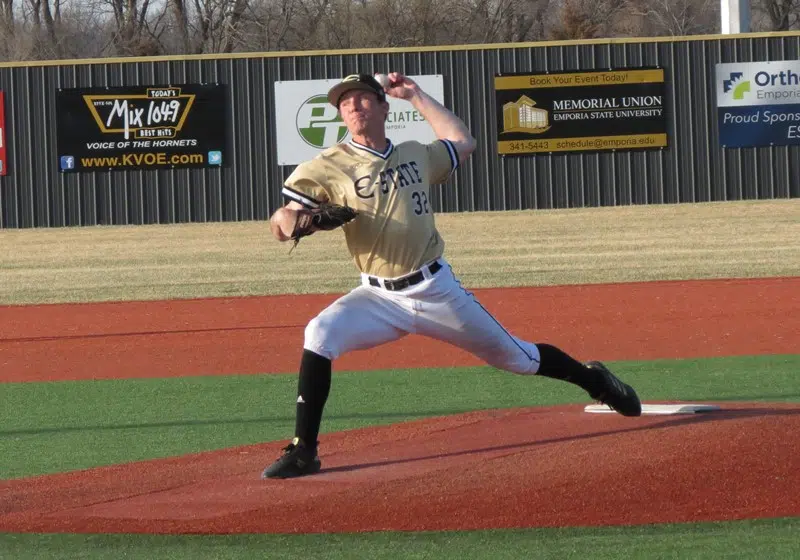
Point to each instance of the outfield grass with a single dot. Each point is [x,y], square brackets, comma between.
[763,538]
[59,426]
[487,249]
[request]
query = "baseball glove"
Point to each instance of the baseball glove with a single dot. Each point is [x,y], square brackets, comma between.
[326,216]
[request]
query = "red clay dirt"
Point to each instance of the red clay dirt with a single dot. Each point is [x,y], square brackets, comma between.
[543,467]
[511,468]
[253,335]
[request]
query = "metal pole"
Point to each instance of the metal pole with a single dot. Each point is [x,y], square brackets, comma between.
[735,16]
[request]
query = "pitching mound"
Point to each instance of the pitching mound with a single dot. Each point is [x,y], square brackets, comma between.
[514,468]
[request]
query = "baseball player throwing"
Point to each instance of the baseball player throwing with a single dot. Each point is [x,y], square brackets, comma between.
[406,284]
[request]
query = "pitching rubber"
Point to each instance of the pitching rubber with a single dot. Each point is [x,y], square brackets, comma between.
[682,408]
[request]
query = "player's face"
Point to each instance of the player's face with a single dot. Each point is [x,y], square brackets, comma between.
[362,112]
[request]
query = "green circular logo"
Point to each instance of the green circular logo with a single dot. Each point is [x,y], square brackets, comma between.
[319,123]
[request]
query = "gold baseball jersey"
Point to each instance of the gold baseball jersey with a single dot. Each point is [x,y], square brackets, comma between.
[395,232]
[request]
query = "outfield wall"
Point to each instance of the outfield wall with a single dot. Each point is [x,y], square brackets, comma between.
[37,192]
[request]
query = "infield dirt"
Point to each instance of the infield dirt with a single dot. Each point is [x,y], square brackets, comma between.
[509,468]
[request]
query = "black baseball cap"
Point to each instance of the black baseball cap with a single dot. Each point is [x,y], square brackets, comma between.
[364,82]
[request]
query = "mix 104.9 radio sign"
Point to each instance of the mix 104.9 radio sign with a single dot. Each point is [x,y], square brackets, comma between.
[758,103]
[141,127]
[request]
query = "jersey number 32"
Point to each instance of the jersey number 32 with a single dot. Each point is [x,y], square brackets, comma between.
[420,203]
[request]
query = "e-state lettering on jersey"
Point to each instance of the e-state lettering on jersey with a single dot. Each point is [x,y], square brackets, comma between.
[395,232]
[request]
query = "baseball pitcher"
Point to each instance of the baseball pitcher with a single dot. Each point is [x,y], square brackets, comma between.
[379,193]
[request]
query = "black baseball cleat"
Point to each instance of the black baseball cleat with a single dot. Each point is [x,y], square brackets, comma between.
[297,460]
[616,394]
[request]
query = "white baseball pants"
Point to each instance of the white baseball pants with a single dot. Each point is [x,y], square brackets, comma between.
[437,307]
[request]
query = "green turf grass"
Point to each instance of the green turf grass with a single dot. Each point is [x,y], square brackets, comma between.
[765,538]
[60,426]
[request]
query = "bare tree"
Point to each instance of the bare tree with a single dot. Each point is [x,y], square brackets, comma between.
[779,15]
[135,27]
[7,27]
[230,32]
[269,25]
[53,29]
[52,17]
[675,17]
[500,21]
[585,19]
[181,23]
[44,20]
[231,25]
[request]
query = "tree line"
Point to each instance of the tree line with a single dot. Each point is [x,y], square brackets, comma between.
[66,29]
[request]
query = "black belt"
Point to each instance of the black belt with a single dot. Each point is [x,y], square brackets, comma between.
[405,281]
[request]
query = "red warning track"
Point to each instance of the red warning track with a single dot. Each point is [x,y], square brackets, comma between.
[518,468]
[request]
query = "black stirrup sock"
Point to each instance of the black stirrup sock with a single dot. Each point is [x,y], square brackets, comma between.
[313,388]
[556,364]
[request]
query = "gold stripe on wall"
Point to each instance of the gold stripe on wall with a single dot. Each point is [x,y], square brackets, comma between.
[574,79]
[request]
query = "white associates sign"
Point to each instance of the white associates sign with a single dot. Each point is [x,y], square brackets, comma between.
[306,123]
[758,103]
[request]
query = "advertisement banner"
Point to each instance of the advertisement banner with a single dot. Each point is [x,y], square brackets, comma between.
[3,160]
[580,111]
[758,103]
[306,123]
[141,127]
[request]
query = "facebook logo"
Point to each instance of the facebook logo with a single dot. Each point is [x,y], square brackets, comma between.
[67,162]
[214,158]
